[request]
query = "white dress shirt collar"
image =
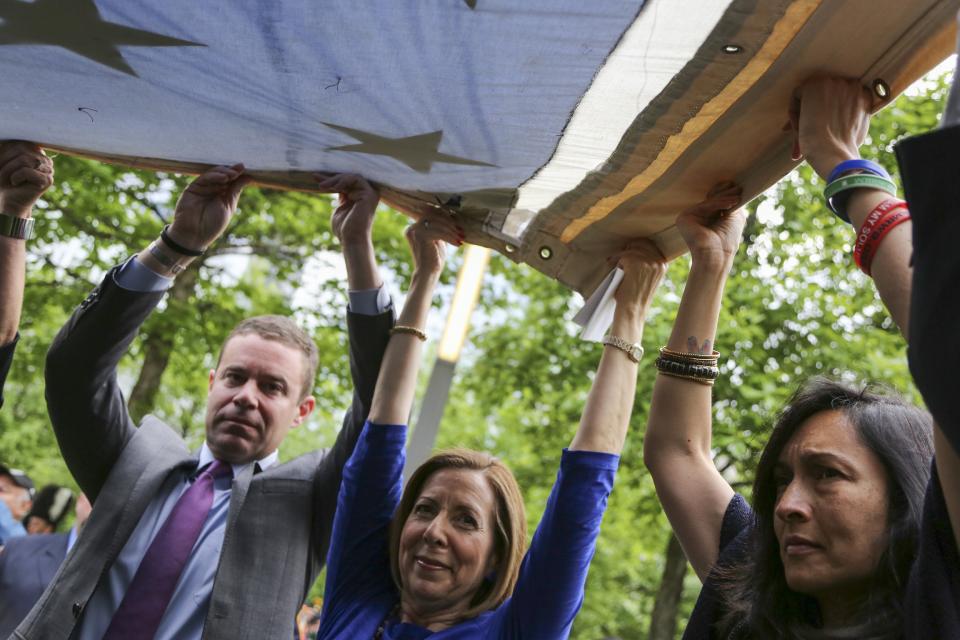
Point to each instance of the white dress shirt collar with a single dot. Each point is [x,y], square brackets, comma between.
[206,457]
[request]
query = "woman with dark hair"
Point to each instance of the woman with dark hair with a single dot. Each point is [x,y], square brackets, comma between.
[867,545]
[447,558]
[849,534]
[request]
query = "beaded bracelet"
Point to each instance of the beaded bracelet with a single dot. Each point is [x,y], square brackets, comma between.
[838,203]
[413,331]
[700,371]
[707,372]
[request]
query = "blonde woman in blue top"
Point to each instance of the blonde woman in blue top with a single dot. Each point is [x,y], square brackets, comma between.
[446,559]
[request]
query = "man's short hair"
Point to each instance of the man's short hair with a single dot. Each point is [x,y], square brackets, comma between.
[285,331]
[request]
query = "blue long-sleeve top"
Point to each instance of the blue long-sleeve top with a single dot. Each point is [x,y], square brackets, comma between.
[360,593]
[6,359]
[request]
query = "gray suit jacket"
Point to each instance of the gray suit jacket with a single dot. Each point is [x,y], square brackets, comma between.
[279,521]
[27,565]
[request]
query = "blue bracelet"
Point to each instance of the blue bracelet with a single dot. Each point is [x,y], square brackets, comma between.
[858,163]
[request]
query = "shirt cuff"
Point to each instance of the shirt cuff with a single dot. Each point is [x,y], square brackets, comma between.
[136,276]
[597,459]
[370,302]
[6,359]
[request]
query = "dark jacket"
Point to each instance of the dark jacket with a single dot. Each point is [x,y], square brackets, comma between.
[27,565]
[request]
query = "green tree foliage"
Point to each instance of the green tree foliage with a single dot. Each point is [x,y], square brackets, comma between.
[795,306]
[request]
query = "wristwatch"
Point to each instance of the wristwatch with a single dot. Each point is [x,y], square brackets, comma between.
[633,350]
[15,227]
[171,263]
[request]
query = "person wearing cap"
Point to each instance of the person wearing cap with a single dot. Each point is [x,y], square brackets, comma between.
[16,498]
[25,174]
[29,563]
[50,505]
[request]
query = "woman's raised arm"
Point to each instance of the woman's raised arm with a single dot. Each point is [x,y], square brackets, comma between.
[830,116]
[397,383]
[603,426]
[677,446]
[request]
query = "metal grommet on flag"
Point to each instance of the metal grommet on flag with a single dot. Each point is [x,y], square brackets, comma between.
[881,89]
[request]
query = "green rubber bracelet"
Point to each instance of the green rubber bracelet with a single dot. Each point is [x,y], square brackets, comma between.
[859,181]
[854,181]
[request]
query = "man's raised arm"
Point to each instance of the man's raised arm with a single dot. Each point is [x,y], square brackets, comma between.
[369,319]
[86,407]
[25,174]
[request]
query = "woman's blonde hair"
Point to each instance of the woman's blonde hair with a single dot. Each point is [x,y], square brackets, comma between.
[510,534]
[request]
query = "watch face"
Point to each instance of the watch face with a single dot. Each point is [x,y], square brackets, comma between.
[636,352]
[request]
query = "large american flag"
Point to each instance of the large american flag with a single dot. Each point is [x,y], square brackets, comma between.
[553,128]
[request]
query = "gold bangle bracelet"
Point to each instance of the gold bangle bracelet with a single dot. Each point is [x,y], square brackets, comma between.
[413,331]
[696,358]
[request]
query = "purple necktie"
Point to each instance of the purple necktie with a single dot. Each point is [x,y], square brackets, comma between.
[152,587]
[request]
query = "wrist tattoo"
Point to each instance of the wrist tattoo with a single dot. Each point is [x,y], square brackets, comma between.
[692,345]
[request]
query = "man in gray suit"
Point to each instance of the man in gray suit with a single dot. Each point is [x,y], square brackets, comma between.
[28,564]
[224,542]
